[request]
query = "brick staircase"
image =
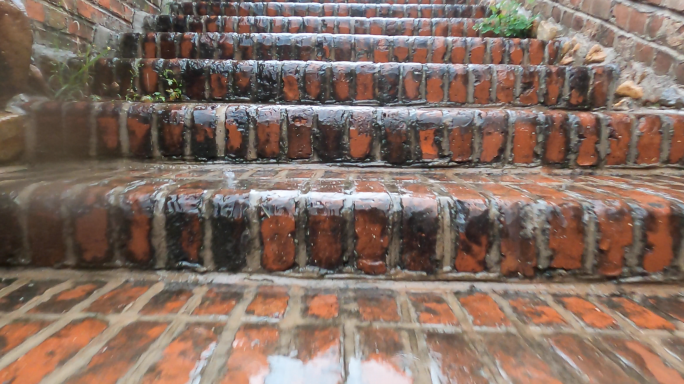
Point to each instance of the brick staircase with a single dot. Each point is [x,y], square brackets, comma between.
[348,139]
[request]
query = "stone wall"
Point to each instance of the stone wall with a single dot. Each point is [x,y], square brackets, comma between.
[650,31]
[70,24]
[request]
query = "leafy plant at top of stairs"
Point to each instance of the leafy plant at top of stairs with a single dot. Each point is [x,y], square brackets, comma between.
[506,20]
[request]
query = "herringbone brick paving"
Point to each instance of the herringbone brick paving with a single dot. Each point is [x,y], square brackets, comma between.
[63,327]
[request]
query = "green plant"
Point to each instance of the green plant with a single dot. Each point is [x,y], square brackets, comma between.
[173,89]
[70,80]
[173,86]
[505,20]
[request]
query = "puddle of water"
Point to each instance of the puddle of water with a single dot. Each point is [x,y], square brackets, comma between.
[325,368]
[375,372]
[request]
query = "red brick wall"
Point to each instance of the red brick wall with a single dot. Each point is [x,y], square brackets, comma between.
[651,31]
[68,24]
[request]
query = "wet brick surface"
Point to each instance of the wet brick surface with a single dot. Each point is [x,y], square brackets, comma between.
[443,223]
[219,329]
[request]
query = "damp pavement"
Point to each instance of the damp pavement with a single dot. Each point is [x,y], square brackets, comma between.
[171,327]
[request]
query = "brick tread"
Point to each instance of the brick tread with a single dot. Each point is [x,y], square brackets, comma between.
[204,8]
[363,83]
[444,137]
[455,27]
[345,220]
[360,48]
[451,338]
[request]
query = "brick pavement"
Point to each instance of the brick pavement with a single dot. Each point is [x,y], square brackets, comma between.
[128,327]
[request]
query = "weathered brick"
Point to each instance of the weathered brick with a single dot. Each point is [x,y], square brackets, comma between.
[649,140]
[535,311]
[455,359]
[27,292]
[555,80]
[322,305]
[505,86]
[168,301]
[420,223]
[185,354]
[640,316]
[119,299]
[494,134]
[330,132]
[643,359]
[218,300]
[107,123]
[619,135]
[587,360]
[16,332]
[430,133]
[470,217]
[518,251]
[615,230]
[184,224]
[524,138]
[299,130]
[326,224]
[371,227]
[269,302]
[230,218]
[53,352]
[564,216]
[482,84]
[65,300]
[483,310]
[253,343]
[588,312]
[92,225]
[397,130]
[508,350]
[45,226]
[120,353]
[460,131]
[432,309]
[360,133]
[268,132]
[277,213]
[376,305]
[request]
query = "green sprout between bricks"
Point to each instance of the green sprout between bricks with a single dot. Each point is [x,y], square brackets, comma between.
[68,84]
[173,89]
[506,20]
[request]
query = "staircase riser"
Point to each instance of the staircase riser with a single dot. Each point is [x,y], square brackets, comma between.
[329,10]
[241,220]
[305,47]
[391,136]
[301,82]
[456,27]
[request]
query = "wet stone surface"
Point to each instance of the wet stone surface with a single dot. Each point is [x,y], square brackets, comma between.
[205,328]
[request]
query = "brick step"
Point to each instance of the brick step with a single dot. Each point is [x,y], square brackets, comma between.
[445,223]
[326,47]
[364,83]
[454,27]
[210,8]
[361,135]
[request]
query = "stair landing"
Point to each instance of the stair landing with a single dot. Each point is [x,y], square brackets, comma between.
[70,327]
